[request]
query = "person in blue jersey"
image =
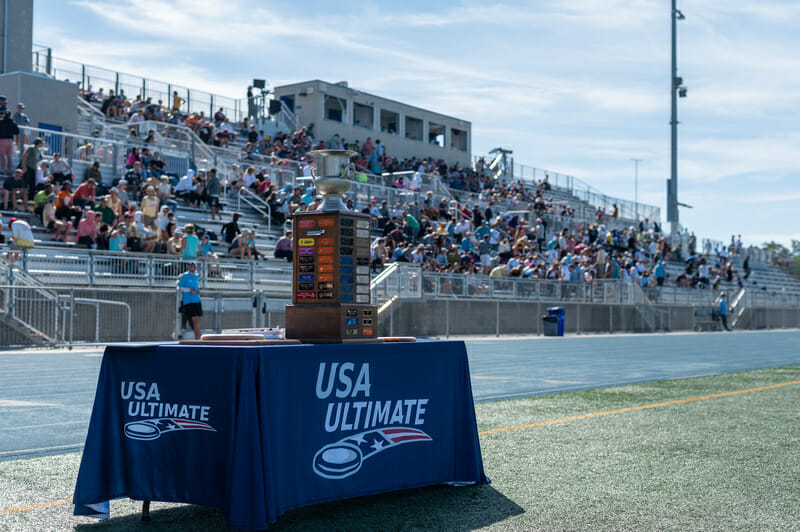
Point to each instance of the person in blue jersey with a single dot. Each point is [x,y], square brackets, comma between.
[191,307]
[723,311]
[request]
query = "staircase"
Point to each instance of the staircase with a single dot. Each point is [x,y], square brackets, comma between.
[29,312]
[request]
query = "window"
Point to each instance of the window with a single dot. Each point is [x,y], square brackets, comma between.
[335,108]
[436,134]
[413,128]
[389,122]
[458,139]
[363,116]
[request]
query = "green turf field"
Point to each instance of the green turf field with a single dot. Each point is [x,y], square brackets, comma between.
[729,459]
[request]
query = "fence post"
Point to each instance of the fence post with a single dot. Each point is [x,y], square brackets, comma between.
[178,317]
[447,318]
[217,312]
[497,318]
[49,63]
[116,83]
[90,270]
[71,315]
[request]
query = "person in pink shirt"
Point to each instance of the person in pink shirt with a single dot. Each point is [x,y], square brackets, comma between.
[87,229]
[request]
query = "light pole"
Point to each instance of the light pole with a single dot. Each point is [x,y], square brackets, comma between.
[676,89]
[636,184]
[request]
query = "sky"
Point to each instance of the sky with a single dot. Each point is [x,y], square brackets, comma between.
[577,87]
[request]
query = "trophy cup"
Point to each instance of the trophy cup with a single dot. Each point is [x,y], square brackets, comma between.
[331,262]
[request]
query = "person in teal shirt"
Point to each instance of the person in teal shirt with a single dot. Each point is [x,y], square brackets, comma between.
[191,244]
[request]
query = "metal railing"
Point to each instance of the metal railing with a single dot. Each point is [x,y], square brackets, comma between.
[256,203]
[94,268]
[98,77]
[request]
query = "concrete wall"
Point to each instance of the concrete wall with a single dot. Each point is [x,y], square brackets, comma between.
[46,100]
[16,35]
[309,108]
[462,317]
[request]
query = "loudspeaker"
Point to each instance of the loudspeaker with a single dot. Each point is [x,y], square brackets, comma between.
[274,107]
[259,83]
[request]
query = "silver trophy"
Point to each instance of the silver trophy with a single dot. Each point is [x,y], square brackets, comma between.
[332,176]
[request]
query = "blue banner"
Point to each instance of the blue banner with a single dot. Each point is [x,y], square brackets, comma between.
[258,431]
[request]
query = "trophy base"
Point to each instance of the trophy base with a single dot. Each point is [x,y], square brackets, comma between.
[332,323]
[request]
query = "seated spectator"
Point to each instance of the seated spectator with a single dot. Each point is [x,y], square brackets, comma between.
[206,252]
[60,169]
[17,191]
[185,187]
[106,213]
[240,247]
[43,176]
[84,194]
[283,248]
[40,199]
[59,228]
[64,207]
[87,230]
[150,205]
[146,236]
[94,173]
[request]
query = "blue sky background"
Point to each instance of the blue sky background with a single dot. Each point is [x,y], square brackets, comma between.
[575,86]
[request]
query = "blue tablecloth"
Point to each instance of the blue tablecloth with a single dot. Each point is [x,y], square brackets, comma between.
[258,431]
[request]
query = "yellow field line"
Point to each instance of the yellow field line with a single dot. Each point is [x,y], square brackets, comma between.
[632,408]
[18,509]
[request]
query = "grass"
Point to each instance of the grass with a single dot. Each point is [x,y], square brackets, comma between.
[729,462]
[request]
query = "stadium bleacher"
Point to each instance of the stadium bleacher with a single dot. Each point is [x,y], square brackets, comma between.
[577,221]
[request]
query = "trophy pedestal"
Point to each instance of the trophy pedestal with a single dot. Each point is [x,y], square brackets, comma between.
[332,324]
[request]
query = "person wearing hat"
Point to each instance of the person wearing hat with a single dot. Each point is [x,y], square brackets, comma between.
[59,229]
[191,304]
[21,237]
[22,121]
[106,213]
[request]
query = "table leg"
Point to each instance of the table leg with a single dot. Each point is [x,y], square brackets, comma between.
[145,510]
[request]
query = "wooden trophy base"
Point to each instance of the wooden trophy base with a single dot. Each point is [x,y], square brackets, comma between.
[332,324]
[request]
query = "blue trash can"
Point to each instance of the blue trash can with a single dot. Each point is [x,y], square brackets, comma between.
[558,312]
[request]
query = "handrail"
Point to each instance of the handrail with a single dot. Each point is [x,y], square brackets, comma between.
[256,203]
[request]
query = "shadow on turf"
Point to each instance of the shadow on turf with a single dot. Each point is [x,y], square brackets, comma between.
[436,507]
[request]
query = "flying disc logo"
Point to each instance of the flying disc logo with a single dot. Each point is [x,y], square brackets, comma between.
[381,424]
[143,400]
[151,429]
[345,457]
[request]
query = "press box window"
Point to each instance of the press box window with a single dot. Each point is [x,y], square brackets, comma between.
[363,115]
[436,134]
[458,139]
[413,128]
[389,122]
[335,108]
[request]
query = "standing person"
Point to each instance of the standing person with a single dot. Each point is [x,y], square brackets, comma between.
[723,311]
[213,191]
[22,121]
[191,306]
[30,164]
[8,130]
